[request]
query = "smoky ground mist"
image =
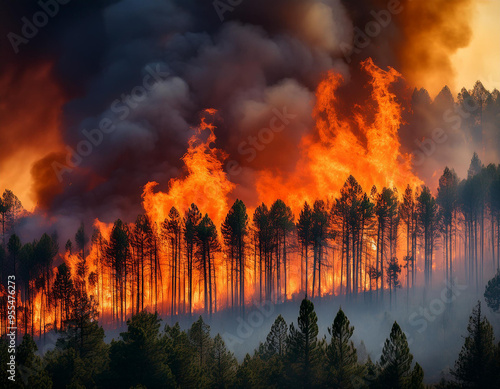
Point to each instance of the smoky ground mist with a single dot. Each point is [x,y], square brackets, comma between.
[435,341]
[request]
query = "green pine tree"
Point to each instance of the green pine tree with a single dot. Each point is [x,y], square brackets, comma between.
[138,358]
[222,365]
[396,361]
[343,368]
[304,349]
[475,366]
[492,293]
[181,357]
[276,339]
[199,336]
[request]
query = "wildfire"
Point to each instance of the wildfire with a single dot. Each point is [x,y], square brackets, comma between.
[340,151]
[366,146]
[205,184]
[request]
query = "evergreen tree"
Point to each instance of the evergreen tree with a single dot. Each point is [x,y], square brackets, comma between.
[63,292]
[222,365]
[393,272]
[191,221]
[234,231]
[81,355]
[342,359]
[475,366]
[447,200]
[116,254]
[304,349]
[208,244]
[29,365]
[396,361]
[277,338]
[81,239]
[492,293]
[246,373]
[199,336]
[263,235]
[138,358]
[428,219]
[304,232]
[181,357]
[320,234]
[282,223]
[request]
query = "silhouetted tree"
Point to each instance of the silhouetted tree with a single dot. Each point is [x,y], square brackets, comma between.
[264,239]
[393,272]
[341,354]
[304,349]
[207,244]
[276,341]
[221,364]
[138,357]
[447,200]
[117,253]
[492,293]
[396,361]
[428,219]
[191,221]
[282,223]
[234,231]
[320,233]
[63,292]
[304,232]
[475,367]
[199,336]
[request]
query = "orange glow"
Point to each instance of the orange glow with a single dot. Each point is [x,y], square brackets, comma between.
[205,183]
[365,145]
[340,152]
[30,110]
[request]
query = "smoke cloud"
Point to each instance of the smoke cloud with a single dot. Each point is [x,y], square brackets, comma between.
[262,57]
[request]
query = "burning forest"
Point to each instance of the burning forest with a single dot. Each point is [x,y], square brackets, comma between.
[174,169]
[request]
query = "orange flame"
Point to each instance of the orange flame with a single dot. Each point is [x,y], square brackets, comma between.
[340,152]
[366,146]
[206,184]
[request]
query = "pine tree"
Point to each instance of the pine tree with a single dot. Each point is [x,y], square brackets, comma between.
[396,361]
[138,358]
[282,223]
[222,364]
[191,221]
[447,200]
[320,234]
[29,365]
[81,355]
[264,239]
[304,349]
[428,218]
[199,336]
[393,272]
[407,214]
[341,354]
[117,254]
[234,231]
[304,231]
[208,244]
[475,367]
[492,293]
[277,338]
[181,357]
[63,292]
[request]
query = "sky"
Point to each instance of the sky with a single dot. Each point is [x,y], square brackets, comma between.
[481,59]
